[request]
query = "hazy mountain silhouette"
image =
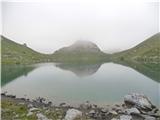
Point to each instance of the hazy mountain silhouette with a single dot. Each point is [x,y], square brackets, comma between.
[80,70]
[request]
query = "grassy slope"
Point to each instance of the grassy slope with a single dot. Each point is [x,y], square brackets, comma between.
[14,53]
[149,50]
[80,57]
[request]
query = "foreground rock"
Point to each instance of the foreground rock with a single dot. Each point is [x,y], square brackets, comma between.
[135,107]
[73,114]
[138,100]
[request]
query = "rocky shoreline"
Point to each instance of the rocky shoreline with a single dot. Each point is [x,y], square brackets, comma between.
[135,107]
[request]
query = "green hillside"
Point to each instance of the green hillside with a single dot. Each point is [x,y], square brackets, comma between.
[147,51]
[14,53]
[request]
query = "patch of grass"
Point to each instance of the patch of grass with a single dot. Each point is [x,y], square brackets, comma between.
[12,110]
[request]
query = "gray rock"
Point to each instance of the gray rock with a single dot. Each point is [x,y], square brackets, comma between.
[139,100]
[103,110]
[146,117]
[72,114]
[92,112]
[64,105]
[125,117]
[132,111]
[86,105]
[113,112]
[30,106]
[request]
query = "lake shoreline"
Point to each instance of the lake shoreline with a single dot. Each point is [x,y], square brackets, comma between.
[40,109]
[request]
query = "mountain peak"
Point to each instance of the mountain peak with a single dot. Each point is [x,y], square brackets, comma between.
[84,45]
[83,42]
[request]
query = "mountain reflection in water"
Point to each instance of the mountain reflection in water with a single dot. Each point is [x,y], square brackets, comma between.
[11,72]
[81,70]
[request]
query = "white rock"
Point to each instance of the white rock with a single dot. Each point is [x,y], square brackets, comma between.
[33,109]
[30,113]
[72,114]
[113,112]
[125,117]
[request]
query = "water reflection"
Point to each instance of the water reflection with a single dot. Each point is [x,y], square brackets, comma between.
[11,72]
[104,84]
[151,70]
[81,70]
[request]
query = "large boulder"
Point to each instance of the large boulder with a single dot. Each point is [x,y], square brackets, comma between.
[138,100]
[72,114]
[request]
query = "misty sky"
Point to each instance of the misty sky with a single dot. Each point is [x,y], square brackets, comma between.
[48,26]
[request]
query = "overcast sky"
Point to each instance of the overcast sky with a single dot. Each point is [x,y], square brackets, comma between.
[48,26]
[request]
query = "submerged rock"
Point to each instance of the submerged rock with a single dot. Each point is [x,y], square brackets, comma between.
[139,100]
[72,114]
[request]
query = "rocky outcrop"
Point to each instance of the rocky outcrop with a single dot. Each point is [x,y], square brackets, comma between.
[138,100]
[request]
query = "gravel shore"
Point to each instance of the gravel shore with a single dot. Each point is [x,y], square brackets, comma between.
[135,107]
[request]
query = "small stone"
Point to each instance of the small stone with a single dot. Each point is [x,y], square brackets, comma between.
[64,105]
[103,110]
[92,112]
[113,112]
[29,113]
[30,106]
[33,109]
[16,116]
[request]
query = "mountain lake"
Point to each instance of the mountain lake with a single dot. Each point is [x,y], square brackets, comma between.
[74,84]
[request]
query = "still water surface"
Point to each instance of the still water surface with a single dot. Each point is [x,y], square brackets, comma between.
[76,83]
